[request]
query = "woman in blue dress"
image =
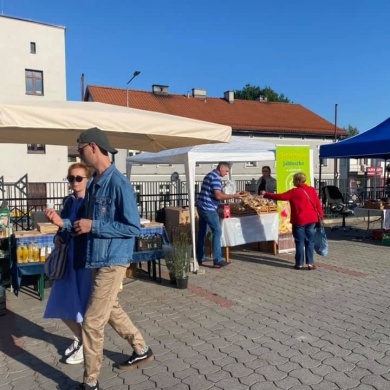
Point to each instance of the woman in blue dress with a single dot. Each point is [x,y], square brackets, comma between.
[69,296]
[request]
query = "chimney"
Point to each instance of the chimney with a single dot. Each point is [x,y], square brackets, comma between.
[229,96]
[198,93]
[262,98]
[160,89]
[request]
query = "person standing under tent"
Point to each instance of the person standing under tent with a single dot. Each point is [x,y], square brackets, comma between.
[207,205]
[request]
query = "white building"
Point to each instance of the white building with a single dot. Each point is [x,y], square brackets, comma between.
[32,67]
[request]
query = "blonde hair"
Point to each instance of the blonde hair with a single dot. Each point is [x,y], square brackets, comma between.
[300,176]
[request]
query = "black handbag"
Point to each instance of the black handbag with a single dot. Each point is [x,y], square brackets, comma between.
[55,265]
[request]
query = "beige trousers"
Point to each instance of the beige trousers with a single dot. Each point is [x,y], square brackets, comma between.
[103,307]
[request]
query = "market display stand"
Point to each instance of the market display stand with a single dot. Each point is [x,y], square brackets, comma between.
[149,249]
[249,229]
[383,214]
[30,268]
[20,270]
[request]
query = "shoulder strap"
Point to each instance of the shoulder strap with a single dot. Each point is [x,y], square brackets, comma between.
[311,200]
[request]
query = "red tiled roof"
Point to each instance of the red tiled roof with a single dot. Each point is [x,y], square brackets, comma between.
[241,115]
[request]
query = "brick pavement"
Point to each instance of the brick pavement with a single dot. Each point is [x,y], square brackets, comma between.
[258,324]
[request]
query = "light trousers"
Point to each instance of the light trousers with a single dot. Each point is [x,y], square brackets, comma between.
[103,307]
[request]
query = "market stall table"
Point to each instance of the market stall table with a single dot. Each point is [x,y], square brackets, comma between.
[383,215]
[19,270]
[248,229]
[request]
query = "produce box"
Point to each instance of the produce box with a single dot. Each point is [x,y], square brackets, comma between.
[175,216]
[386,239]
[149,243]
[377,234]
[224,210]
[369,204]
[152,224]
[178,215]
[47,227]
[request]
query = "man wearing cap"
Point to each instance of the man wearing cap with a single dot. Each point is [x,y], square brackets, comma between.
[113,223]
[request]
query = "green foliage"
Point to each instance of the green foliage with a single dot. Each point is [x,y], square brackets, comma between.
[351,130]
[178,254]
[251,92]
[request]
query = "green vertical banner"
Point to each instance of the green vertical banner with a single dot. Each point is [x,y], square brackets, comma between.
[289,161]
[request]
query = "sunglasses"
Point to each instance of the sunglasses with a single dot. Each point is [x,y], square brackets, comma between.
[80,150]
[72,178]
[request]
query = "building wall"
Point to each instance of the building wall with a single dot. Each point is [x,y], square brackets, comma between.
[241,171]
[49,58]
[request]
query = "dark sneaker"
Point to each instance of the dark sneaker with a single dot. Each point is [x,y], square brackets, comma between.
[311,266]
[86,386]
[220,263]
[298,267]
[136,360]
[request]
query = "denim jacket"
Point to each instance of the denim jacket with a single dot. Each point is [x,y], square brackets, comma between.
[115,220]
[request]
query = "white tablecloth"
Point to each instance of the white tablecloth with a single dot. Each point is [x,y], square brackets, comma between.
[365,212]
[251,228]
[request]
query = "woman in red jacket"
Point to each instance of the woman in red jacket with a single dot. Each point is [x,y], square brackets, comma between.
[305,209]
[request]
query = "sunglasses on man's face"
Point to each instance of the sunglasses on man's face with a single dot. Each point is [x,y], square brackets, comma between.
[72,178]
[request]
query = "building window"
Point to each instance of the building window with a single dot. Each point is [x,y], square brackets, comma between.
[131,153]
[251,164]
[36,149]
[324,162]
[33,48]
[34,82]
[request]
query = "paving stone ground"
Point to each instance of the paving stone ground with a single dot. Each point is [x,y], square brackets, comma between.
[256,324]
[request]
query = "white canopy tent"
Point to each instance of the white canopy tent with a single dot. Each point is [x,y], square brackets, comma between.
[238,150]
[60,123]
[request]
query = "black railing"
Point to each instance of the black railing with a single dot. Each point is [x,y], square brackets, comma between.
[150,197]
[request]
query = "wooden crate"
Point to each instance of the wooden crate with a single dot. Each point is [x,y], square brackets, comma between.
[373,205]
[272,208]
[386,239]
[47,227]
[149,244]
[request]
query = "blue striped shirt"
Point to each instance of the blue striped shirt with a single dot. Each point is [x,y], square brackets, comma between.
[206,199]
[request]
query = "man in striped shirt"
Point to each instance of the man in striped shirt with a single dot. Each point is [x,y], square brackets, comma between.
[207,205]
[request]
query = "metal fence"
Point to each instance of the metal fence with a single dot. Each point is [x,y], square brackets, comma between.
[24,198]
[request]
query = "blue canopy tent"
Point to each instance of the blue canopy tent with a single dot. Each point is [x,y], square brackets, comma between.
[373,143]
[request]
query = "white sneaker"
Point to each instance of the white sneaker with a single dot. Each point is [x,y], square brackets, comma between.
[77,356]
[73,346]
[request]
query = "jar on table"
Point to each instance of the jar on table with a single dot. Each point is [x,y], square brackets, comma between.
[25,253]
[20,253]
[30,252]
[35,252]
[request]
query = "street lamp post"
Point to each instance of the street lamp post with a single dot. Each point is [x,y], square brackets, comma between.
[135,74]
[335,174]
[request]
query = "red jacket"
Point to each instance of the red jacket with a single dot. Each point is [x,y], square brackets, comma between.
[303,211]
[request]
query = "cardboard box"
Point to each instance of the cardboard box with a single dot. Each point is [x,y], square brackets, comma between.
[178,215]
[175,216]
[47,227]
[152,224]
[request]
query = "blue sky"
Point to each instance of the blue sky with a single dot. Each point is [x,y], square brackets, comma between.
[317,53]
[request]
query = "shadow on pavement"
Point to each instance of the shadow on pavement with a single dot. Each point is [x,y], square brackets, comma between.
[13,328]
